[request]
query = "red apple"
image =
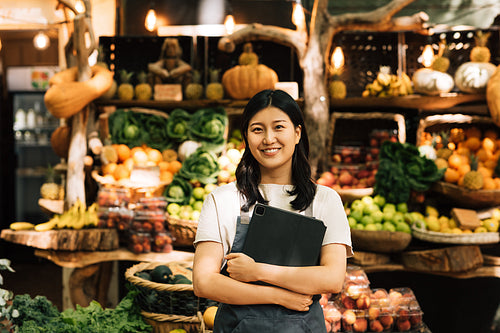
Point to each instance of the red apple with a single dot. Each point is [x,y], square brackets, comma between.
[363,302]
[345,178]
[376,326]
[403,325]
[349,317]
[360,325]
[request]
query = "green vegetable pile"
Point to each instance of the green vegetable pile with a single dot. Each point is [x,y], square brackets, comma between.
[178,191]
[200,166]
[208,127]
[402,169]
[39,315]
[137,128]
[178,125]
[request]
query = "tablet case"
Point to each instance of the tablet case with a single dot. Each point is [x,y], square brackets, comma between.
[280,237]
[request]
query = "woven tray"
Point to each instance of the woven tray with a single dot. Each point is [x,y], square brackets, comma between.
[162,323]
[163,298]
[380,241]
[441,237]
[468,198]
[183,231]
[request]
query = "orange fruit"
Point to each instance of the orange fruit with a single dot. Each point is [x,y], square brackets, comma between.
[451,175]
[135,149]
[123,152]
[121,172]
[109,168]
[473,132]
[491,163]
[473,143]
[455,160]
[163,165]
[461,150]
[154,155]
[489,183]
[209,316]
[483,154]
[491,134]
[485,171]
[150,163]
[166,176]
[140,157]
[489,145]
[463,169]
[129,163]
[497,181]
[174,166]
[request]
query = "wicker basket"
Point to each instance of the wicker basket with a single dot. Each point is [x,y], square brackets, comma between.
[448,238]
[380,241]
[183,231]
[468,198]
[162,323]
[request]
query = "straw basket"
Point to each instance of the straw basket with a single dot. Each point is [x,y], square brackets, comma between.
[380,241]
[468,198]
[449,238]
[183,231]
[168,306]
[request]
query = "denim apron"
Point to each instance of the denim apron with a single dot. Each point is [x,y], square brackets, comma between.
[266,318]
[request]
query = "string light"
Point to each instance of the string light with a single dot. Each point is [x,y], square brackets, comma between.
[427,55]
[338,58]
[229,24]
[298,17]
[150,22]
[41,41]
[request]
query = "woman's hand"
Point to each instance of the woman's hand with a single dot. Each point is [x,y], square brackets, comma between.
[294,301]
[241,267]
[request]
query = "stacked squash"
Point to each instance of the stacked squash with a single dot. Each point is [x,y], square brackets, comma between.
[249,77]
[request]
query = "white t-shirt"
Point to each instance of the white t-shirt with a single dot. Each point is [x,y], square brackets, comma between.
[218,218]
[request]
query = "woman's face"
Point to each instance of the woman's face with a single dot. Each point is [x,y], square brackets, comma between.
[271,139]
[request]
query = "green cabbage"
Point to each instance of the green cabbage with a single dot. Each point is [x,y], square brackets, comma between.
[200,166]
[178,191]
[178,125]
[208,126]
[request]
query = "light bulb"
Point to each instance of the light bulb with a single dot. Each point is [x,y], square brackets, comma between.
[298,17]
[79,6]
[229,24]
[427,55]
[338,58]
[150,22]
[41,41]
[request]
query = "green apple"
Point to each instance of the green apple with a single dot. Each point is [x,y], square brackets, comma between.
[209,188]
[389,207]
[357,205]
[356,214]
[378,216]
[195,215]
[197,205]
[398,217]
[402,207]
[379,226]
[367,200]
[417,216]
[371,208]
[403,227]
[352,222]
[371,227]
[379,200]
[360,226]
[367,219]
[388,226]
[388,215]
[173,208]
[198,193]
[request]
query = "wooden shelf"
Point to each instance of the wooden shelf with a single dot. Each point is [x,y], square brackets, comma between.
[419,102]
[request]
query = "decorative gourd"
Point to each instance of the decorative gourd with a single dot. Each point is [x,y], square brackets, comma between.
[431,82]
[60,140]
[66,96]
[493,96]
[244,81]
[472,77]
[248,56]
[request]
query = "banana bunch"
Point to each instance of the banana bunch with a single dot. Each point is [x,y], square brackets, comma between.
[77,217]
[387,85]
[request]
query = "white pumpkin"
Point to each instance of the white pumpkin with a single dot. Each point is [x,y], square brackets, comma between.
[472,77]
[430,82]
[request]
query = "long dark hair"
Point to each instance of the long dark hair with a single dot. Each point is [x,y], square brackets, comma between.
[248,170]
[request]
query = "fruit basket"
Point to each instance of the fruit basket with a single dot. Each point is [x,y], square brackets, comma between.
[183,231]
[449,238]
[380,241]
[467,198]
[174,305]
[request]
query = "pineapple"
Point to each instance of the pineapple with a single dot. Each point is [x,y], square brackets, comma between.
[443,151]
[480,52]
[441,62]
[473,180]
[214,89]
[248,57]
[50,189]
[194,90]
[337,88]
[125,89]
[143,90]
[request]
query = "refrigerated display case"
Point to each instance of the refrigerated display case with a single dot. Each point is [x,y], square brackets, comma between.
[32,127]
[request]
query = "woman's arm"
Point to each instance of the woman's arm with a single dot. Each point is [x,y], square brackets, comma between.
[328,277]
[209,283]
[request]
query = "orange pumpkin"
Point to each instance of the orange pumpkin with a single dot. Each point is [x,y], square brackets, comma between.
[493,96]
[60,139]
[244,81]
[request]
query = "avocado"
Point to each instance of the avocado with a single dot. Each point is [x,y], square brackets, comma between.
[161,274]
[180,279]
[143,275]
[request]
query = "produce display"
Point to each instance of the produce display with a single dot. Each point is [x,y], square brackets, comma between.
[387,84]
[360,308]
